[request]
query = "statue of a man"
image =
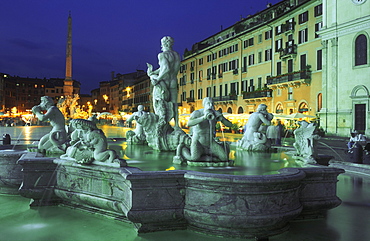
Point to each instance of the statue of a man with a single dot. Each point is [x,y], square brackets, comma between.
[58,135]
[254,139]
[135,116]
[164,79]
[203,143]
[256,119]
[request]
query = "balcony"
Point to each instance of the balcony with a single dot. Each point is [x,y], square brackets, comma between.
[294,78]
[289,51]
[225,99]
[190,100]
[257,94]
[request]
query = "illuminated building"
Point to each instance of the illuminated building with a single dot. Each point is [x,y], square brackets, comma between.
[272,57]
[346,67]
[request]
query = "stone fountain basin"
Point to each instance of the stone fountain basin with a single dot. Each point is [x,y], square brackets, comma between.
[10,172]
[217,204]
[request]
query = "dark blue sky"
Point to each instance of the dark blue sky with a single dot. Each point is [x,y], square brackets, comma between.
[108,35]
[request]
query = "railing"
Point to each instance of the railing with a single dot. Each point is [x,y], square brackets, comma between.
[190,99]
[225,98]
[305,74]
[291,50]
[257,94]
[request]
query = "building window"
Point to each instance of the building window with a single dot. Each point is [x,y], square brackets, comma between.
[361,50]
[244,85]
[278,68]
[260,38]
[259,83]
[200,61]
[302,18]
[290,93]
[318,27]
[278,92]
[233,64]
[245,43]
[319,59]
[234,88]
[245,63]
[278,45]
[259,57]
[268,34]
[302,36]
[200,94]
[192,94]
[208,92]
[289,25]
[251,59]
[268,55]
[318,10]
[184,96]
[303,62]
[278,30]
[251,41]
[200,75]
[279,109]
[319,102]
[251,85]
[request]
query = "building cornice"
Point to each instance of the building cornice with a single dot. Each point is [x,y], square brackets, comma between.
[349,27]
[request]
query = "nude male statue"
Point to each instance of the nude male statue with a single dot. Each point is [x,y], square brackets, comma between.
[203,141]
[255,121]
[164,79]
[58,135]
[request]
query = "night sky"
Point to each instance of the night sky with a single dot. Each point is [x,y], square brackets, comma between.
[107,35]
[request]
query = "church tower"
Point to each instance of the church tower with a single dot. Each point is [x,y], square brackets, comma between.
[68,82]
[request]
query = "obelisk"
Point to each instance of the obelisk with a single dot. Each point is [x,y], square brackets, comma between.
[68,82]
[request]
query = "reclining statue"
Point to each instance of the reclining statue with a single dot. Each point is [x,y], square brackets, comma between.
[88,143]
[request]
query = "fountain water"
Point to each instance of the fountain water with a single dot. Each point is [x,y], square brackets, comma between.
[126,193]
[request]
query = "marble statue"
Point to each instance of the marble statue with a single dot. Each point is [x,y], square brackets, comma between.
[204,149]
[305,142]
[67,105]
[254,139]
[164,81]
[88,144]
[53,142]
[161,136]
[137,136]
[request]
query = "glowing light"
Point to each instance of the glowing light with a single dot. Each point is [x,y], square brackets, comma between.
[171,169]
[105,97]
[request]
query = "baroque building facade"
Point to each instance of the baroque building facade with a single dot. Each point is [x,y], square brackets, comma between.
[272,58]
[346,67]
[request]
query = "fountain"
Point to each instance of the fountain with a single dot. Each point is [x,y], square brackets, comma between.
[227,205]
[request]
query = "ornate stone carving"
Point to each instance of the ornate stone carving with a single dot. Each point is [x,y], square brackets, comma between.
[138,135]
[203,149]
[305,142]
[159,133]
[53,142]
[89,145]
[254,138]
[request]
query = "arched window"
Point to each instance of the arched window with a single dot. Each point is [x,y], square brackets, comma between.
[319,102]
[303,107]
[240,110]
[220,110]
[229,110]
[279,109]
[361,50]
